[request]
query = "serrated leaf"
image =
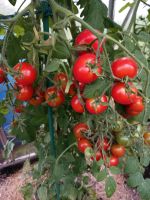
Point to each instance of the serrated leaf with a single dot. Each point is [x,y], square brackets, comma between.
[144,189]
[101,175]
[13,2]
[97,88]
[135,180]
[132,165]
[110,186]
[94,13]
[115,170]
[42,193]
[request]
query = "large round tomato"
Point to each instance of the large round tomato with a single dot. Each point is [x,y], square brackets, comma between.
[83,144]
[122,94]
[25,74]
[146,136]
[104,144]
[2,75]
[124,67]
[136,106]
[95,106]
[61,80]
[86,37]
[77,105]
[54,97]
[118,150]
[114,161]
[86,68]
[79,129]
[25,93]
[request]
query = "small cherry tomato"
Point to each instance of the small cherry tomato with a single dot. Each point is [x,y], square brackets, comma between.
[123,140]
[61,80]
[86,37]
[95,105]
[79,129]
[77,105]
[114,161]
[104,144]
[25,74]
[121,95]
[124,67]
[118,150]
[38,97]
[24,93]
[86,69]
[83,144]
[146,137]
[54,97]
[2,75]
[72,90]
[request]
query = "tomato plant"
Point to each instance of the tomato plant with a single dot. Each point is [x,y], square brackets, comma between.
[114,161]
[83,144]
[118,150]
[2,75]
[79,129]
[86,69]
[124,67]
[77,105]
[146,137]
[61,80]
[24,93]
[103,145]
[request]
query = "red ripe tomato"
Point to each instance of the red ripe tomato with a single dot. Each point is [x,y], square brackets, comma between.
[136,106]
[54,97]
[77,105]
[114,161]
[85,68]
[104,144]
[2,75]
[118,150]
[146,136]
[86,37]
[83,144]
[121,95]
[124,67]
[19,108]
[95,106]
[25,93]
[37,98]
[98,155]
[79,129]
[26,74]
[72,90]
[61,80]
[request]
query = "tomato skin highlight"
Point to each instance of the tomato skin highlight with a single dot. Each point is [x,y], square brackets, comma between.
[2,76]
[124,67]
[114,161]
[146,137]
[77,105]
[83,144]
[95,107]
[25,93]
[121,96]
[54,97]
[118,150]
[27,74]
[86,37]
[61,80]
[80,128]
[82,68]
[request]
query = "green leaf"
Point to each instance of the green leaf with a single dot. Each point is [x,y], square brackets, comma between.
[101,175]
[2,119]
[94,12]
[144,189]
[13,2]
[110,186]
[132,165]
[143,36]
[27,191]
[42,193]
[135,180]
[61,50]
[8,148]
[115,170]
[97,88]
[19,30]
[53,65]
[145,158]
[126,6]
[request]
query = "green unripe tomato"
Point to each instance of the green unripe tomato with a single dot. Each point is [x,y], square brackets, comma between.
[124,140]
